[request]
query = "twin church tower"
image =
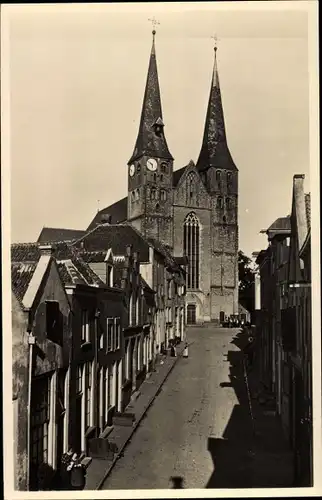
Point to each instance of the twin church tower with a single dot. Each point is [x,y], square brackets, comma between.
[193,210]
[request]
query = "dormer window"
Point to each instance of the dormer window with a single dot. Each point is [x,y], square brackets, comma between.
[158,127]
[164,167]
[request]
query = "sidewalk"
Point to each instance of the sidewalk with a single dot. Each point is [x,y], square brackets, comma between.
[272,464]
[99,469]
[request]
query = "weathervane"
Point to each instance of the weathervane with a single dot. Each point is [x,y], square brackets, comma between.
[154,23]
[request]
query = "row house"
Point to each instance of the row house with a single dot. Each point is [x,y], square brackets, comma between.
[297,332]
[283,320]
[161,272]
[40,355]
[68,350]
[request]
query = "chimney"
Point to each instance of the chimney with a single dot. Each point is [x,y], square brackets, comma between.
[106,219]
[299,199]
[46,249]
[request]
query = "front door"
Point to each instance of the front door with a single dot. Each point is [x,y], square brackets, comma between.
[191,314]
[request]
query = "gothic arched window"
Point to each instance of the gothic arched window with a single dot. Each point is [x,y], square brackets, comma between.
[191,183]
[153,194]
[191,232]
[163,195]
[228,203]
[219,202]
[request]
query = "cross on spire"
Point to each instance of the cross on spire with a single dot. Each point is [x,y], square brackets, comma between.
[215,38]
[154,23]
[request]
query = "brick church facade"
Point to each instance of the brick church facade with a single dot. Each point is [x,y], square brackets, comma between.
[193,210]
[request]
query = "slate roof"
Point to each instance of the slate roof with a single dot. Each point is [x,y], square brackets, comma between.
[53,234]
[116,237]
[214,150]
[281,224]
[148,142]
[177,175]
[117,211]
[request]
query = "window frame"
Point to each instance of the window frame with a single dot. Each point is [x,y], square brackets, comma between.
[85,337]
[109,334]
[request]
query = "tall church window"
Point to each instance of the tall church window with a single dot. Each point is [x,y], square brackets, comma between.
[191,233]
[228,203]
[153,194]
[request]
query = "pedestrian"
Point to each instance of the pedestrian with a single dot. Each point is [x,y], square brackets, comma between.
[77,474]
[185,351]
[177,482]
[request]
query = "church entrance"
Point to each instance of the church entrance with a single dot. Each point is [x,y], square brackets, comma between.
[191,314]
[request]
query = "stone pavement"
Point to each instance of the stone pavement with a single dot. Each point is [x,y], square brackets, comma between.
[99,469]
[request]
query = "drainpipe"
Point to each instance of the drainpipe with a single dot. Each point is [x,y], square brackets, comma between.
[31,343]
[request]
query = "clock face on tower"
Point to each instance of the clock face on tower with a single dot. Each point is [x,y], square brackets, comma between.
[152,164]
[132,170]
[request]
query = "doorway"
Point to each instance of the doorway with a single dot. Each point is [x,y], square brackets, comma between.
[191,314]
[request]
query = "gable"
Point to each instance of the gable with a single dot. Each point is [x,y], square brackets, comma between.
[190,190]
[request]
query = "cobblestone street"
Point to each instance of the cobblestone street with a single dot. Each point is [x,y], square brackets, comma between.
[192,407]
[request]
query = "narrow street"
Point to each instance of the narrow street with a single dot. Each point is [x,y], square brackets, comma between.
[195,404]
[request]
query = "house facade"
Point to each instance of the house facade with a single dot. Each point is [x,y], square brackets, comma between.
[283,321]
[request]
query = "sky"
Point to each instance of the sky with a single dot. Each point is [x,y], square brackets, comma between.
[77,76]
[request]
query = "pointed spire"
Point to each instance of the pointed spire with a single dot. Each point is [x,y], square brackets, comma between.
[151,140]
[214,150]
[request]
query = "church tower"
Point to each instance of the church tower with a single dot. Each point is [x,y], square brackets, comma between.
[150,168]
[220,175]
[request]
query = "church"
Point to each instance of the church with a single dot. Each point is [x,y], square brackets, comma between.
[192,210]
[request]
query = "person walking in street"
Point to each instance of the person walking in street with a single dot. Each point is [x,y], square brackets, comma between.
[185,351]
